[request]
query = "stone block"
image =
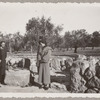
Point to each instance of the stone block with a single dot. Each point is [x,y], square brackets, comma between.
[17,78]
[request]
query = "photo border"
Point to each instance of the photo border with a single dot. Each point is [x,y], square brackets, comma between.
[52,1]
[49,96]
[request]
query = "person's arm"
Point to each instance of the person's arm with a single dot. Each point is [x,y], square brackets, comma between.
[47,55]
[5,52]
[0,55]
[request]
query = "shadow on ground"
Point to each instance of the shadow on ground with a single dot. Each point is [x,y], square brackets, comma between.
[62,78]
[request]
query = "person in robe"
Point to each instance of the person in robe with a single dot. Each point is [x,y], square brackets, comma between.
[44,69]
[3,55]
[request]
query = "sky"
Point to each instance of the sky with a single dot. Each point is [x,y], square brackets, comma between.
[73,16]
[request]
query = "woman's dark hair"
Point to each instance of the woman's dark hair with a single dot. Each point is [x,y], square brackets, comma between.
[42,40]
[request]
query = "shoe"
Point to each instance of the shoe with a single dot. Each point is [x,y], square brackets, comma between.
[49,85]
[3,83]
[0,85]
[46,87]
[41,86]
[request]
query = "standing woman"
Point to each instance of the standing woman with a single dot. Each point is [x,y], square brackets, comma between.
[3,55]
[44,69]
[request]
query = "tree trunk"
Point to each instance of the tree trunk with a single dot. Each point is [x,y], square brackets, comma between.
[10,49]
[71,48]
[92,48]
[75,50]
[38,64]
[67,48]
[25,48]
[83,48]
[31,49]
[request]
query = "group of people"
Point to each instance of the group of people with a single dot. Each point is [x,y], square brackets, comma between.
[43,58]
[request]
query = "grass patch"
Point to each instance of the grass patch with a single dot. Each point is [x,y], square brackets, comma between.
[88,52]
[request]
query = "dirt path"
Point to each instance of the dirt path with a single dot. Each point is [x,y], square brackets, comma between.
[31,89]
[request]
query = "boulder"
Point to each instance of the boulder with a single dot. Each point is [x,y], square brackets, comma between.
[92,65]
[98,69]
[80,57]
[14,62]
[93,59]
[55,63]
[77,64]
[84,66]
[82,89]
[94,82]
[91,70]
[58,86]
[62,60]
[17,78]
[26,63]
[89,73]
[18,62]
[77,82]
[68,62]
[8,58]
[33,66]
[62,63]
[91,91]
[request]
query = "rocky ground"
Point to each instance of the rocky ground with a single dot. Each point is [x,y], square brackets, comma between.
[17,79]
[57,85]
[76,75]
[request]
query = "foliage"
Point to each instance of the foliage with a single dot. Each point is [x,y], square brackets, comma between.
[36,27]
[43,27]
[95,39]
[76,38]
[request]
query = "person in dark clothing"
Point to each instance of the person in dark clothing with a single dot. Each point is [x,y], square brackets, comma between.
[44,69]
[3,55]
[38,56]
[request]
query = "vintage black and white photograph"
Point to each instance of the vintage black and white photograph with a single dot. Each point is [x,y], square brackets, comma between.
[49,47]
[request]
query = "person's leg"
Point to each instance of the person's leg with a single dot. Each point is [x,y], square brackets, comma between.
[41,85]
[46,76]
[2,79]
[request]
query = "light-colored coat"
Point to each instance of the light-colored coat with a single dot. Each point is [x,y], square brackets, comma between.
[44,70]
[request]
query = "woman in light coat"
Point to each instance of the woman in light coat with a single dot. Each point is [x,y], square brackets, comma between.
[44,69]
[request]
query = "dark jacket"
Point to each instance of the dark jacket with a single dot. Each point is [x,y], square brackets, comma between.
[3,55]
